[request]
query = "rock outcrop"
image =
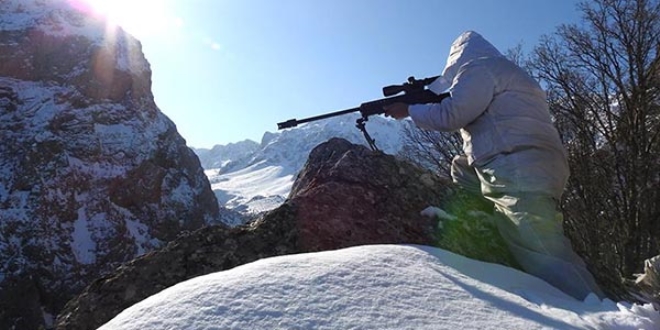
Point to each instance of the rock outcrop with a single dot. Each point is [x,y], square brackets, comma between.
[92,174]
[646,287]
[345,196]
[348,195]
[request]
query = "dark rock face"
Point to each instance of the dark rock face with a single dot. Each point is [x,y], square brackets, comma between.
[92,174]
[346,195]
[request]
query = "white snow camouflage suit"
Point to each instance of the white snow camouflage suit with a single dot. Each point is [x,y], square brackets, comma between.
[513,157]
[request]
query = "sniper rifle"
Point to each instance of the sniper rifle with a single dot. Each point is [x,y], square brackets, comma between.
[415,92]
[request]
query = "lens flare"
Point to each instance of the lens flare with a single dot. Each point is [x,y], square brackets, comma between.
[141,18]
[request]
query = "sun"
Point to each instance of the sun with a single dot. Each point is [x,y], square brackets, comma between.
[141,18]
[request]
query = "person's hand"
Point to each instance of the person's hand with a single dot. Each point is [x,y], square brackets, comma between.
[397,110]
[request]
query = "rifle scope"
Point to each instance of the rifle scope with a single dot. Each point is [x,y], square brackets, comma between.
[412,85]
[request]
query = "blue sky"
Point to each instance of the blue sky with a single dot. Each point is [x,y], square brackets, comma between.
[225,71]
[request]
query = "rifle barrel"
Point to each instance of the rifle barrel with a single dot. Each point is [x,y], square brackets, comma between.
[295,122]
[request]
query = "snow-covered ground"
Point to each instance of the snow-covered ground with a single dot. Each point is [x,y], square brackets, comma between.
[376,287]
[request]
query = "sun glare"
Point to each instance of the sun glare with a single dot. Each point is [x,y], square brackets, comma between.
[142,18]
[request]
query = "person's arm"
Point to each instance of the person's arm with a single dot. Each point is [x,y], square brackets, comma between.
[471,93]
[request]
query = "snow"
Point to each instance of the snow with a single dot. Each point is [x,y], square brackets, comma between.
[139,232]
[376,287]
[259,187]
[82,244]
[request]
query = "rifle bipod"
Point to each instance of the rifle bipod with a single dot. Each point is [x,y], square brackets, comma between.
[360,124]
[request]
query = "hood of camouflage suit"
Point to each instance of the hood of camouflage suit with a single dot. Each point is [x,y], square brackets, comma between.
[467,47]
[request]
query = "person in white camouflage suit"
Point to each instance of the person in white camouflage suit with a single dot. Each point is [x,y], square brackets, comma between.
[513,156]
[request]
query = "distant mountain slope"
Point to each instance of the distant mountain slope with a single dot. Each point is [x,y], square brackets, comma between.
[223,155]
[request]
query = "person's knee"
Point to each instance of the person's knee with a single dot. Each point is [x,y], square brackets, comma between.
[464,175]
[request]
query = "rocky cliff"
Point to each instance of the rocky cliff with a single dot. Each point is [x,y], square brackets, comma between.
[92,174]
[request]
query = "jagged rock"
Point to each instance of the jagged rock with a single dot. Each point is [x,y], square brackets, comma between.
[346,195]
[92,174]
[204,251]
